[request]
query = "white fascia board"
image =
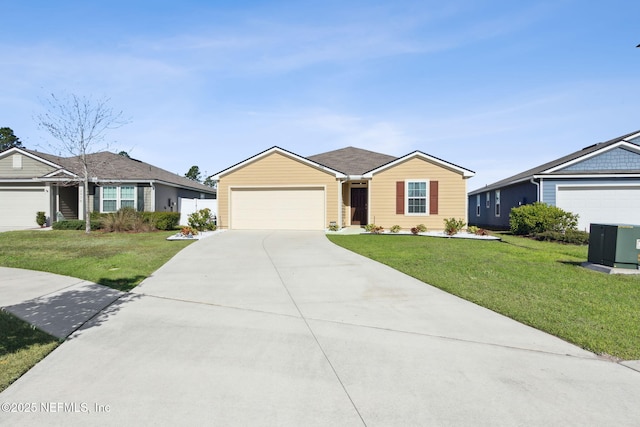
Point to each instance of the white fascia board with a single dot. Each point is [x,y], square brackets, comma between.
[465,172]
[608,175]
[284,153]
[61,172]
[623,143]
[14,150]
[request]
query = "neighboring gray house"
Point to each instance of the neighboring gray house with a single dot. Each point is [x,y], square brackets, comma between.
[31,181]
[600,183]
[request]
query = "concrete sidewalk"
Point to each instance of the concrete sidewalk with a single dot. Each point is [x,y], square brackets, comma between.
[284,328]
[58,305]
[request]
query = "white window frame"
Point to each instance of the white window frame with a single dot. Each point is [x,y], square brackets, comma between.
[118,198]
[497,210]
[406,197]
[477,205]
[488,201]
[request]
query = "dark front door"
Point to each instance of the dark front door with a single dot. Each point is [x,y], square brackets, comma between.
[68,202]
[358,206]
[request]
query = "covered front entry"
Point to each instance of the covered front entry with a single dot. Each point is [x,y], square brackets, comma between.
[278,208]
[68,202]
[359,214]
[601,204]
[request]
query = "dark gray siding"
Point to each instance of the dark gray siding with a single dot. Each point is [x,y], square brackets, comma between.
[510,197]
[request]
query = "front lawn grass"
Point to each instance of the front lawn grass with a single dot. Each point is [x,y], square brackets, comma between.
[540,284]
[21,347]
[118,260]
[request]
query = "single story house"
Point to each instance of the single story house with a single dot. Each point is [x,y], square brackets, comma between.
[600,183]
[31,181]
[278,189]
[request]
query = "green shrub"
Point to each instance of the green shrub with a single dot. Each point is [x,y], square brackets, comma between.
[126,219]
[573,237]
[41,218]
[472,229]
[540,217]
[395,228]
[334,227]
[162,220]
[372,228]
[421,228]
[453,226]
[74,224]
[202,220]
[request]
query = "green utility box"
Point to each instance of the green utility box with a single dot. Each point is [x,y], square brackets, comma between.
[615,245]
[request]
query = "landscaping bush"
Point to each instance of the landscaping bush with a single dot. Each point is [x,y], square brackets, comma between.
[41,218]
[202,220]
[421,228]
[540,217]
[415,231]
[453,226]
[162,220]
[75,224]
[574,237]
[126,219]
[395,228]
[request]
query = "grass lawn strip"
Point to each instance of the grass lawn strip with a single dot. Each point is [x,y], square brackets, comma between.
[118,260]
[21,347]
[540,284]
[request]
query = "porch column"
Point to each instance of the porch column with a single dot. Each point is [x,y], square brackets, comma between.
[81,196]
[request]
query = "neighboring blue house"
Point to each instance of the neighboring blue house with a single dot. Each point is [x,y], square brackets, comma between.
[600,183]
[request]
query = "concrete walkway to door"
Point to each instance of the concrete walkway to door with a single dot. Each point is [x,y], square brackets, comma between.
[285,328]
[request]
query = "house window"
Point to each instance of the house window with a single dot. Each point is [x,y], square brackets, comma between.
[477,205]
[488,202]
[497,202]
[417,202]
[114,198]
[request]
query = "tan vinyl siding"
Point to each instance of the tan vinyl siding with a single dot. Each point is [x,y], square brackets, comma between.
[382,195]
[29,167]
[277,170]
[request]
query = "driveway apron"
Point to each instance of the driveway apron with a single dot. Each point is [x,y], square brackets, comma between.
[285,328]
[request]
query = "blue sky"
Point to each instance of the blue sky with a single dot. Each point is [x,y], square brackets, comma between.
[494,86]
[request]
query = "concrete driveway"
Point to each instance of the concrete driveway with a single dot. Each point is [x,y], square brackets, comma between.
[284,328]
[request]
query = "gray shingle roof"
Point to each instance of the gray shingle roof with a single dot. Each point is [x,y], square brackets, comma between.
[351,160]
[108,166]
[528,174]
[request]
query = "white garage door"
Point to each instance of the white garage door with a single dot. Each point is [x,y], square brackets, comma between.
[278,209]
[601,205]
[18,207]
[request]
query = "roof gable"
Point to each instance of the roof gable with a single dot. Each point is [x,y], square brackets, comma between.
[630,141]
[466,173]
[283,152]
[618,159]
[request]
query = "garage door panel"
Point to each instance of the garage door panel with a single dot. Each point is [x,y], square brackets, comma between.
[596,204]
[18,207]
[278,209]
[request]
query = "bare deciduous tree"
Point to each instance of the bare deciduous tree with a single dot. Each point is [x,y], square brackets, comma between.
[79,125]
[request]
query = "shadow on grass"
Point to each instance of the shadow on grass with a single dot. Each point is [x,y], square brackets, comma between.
[123,284]
[16,334]
[574,263]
